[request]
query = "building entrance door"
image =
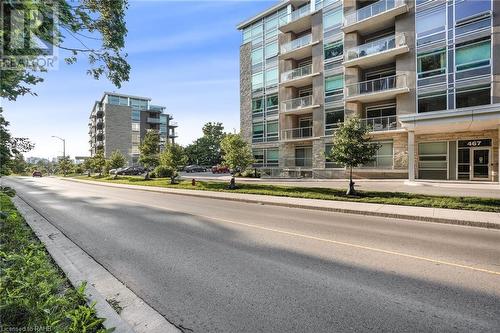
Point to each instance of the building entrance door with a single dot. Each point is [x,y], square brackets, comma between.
[481,163]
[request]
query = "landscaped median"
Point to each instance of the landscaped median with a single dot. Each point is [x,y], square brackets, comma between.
[34,294]
[389,198]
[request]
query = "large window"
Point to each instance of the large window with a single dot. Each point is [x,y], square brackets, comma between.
[333,118]
[431,22]
[272,157]
[329,163]
[434,101]
[433,160]
[473,55]
[334,88]
[272,130]
[271,77]
[431,64]
[258,132]
[469,8]
[257,106]
[384,156]
[257,56]
[473,96]
[257,81]
[271,104]
[139,104]
[117,100]
[136,115]
[136,126]
[271,50]
[334,49]
[332,19]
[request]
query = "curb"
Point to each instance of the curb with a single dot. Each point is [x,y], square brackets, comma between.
[478,224]
[78,267]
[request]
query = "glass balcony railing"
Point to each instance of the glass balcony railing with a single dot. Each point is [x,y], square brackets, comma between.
[377,85]
[297,162]
[387,123]
[296,133]
[296,43]
[295,15]
[297,103]
[153,120]
[376,8]
[172,124]
[296,73]
[376,46]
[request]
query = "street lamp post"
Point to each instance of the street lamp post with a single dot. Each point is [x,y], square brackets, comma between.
[64,150]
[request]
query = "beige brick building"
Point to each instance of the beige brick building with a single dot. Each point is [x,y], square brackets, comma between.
[423,74]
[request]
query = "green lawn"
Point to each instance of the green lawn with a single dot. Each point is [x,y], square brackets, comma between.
[34,293]
[393,198]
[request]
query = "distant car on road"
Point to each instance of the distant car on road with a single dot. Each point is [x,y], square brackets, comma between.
[37,174]
[131,171]
[220,169]
[194,168]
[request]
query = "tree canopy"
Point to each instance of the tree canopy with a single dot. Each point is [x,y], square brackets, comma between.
[93,28]
[150,149]
[237,154]
[173,158]
[10,146]
[207,149]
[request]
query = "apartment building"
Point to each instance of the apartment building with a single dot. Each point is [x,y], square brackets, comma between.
[119,122]
[424,74]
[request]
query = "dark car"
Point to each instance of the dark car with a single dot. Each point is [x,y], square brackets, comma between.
[37,174]
[194,168]
[131,171]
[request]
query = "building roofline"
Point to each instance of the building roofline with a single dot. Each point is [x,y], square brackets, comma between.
[262,14]
[124,95]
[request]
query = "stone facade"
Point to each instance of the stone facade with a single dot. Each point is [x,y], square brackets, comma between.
[246,92]
[117,129]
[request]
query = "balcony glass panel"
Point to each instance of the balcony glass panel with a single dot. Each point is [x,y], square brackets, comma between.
[295,15]
[296,43]
[297,103]
[296,73]
[377,85]
[377,46]
[372,10]
[297,133]
[376,124]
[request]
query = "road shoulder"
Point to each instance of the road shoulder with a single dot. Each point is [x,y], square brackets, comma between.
[102,287]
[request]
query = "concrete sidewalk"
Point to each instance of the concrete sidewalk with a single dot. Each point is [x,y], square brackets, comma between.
[439,215]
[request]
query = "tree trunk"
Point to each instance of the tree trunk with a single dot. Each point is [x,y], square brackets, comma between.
[351,190]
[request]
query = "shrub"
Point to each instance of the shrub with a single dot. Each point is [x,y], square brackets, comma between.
[250,173]
[162,171]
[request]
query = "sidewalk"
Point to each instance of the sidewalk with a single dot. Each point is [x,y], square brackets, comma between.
[439,215]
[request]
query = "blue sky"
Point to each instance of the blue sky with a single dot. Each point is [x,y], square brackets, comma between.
[184,55]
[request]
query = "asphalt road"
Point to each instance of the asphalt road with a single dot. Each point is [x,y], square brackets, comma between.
[215,266]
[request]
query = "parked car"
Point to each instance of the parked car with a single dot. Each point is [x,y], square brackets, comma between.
[194,168]
[37,174]
[113,171]
[131,171]
[220,169]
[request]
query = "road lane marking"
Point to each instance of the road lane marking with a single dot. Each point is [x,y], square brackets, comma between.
[326,240]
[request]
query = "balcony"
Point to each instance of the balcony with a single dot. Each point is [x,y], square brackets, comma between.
[297,162]
[298,77]
[375,90]
[377,53]
[379,124]
[156,108]
[376,16]
[298,105]
[153,120]
[172,134]
[299,133]
[297,21]
[299,48]
[172,124]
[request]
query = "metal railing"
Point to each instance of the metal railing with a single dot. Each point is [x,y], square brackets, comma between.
[297,103]
[376,46]
[377,85]
[297,133]
[172,124]
[296,162]
[386,123]
[296,43]
[295,15]
[296,73]
[372,10]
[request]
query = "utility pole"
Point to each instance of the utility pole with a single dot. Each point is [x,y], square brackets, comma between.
[64,151]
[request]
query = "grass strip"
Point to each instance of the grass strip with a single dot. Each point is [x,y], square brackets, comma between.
[34,293]
[390,198]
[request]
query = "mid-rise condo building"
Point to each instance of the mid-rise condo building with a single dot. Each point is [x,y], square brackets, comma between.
[119,122]
[424,74]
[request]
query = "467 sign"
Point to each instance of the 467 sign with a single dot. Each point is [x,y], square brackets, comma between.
[474,143]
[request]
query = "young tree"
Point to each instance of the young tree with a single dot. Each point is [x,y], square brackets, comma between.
[88,165]
[236,154]
[10,146]
[98,161]
[117,160]
[65,165]
[94,28]
[206,150]
[18,164]
[173,158]
[352,147]
[149,151]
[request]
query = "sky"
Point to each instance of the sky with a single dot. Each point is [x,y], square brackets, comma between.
[183,54]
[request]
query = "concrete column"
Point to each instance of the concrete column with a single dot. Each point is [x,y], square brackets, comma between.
[498,173]
[411,156]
